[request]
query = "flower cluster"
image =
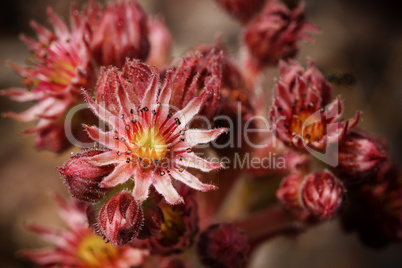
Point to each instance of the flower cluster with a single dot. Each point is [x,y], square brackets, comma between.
[160,130]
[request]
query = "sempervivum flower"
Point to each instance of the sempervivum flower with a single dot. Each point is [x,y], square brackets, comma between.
[302,120]
[223,245]
[121,32]
[61,66]
[78,246]
[275,34]
[243,10]
[291,69]
[148,142]
[178,228]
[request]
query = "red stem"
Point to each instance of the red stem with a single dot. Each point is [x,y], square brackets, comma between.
[267,224]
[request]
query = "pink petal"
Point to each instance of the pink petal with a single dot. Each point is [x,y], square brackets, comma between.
[123,99]
[163,185]
[106,158]
[120,174]
[48,257]
[191,180]
[143,180]
[283,98]
[353,121]
[105,115]
[198,136]
[21,95]
[59,26]
[152,91]
[43,33]
[106,138]
[33,112]
[334,110]
[187,113]
[49,234]
[164,96]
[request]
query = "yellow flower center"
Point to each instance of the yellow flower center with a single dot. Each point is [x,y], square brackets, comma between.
[173,227]
[149,145]
[94,252]
[307,125]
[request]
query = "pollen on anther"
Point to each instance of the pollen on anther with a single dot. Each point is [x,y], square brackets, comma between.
[128,160]
[181,132]
[127,127]
[128,151]
[123,139]
[188,150]
[170,115]
[133,121]
[168,170]
[153,112]
[131,111]
[118,153]
[162,173]
[177,120]
[122,116]
[159,104]
[115,137]
[181,169]
[181,158]
[181,139]
[139,159]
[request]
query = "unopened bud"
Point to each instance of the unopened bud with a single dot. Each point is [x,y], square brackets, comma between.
[289,191]
[275,34]
[82,178]
[359,156]
[223,245]
[122,32]
[120,219]
[322,194]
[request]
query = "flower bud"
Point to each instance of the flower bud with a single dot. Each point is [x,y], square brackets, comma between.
[359,156]
[122,33]
[82,178]
[275,34]
[322,194]
[199,71]
[289,191]
[242,10]
[222,245]
[160,41]
[120,219]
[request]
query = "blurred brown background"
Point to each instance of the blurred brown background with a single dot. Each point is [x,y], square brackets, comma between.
[363,38]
